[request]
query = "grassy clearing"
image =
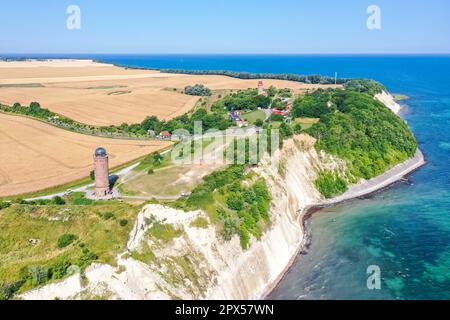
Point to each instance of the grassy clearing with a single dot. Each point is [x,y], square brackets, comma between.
[29,240]
[158,177]
[162,183]
[253,116]
[306,123]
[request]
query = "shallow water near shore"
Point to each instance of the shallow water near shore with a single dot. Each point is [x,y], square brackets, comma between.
[405,230]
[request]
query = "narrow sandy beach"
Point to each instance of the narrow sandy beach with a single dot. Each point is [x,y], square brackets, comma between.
[391,176]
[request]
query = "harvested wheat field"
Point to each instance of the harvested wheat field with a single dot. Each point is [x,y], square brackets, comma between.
[102,94]
[36,156]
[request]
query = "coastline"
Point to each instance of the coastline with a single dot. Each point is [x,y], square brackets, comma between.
[361,190]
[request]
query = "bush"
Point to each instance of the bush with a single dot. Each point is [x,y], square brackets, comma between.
[150,171]
[235,201]
[123,222]
[200,222]
[65,240]
[297,128]
[4,205]
[197,90]
[107,215]
[259,123]
[7,290]
[59,201]
[244,237]
[58,269]
[276,118]
[330,184]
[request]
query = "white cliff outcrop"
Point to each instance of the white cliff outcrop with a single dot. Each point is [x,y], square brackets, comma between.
[389,101]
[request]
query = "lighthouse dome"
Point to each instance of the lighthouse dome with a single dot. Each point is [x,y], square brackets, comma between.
[100,152]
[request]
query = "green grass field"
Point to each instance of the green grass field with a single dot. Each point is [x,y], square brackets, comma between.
[252,116]
[306,123]
[168,180]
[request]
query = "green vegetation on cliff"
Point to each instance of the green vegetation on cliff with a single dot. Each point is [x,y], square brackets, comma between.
[44,243]
[238,208]
[357,128]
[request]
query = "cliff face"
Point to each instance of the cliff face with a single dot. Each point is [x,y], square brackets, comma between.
[197,263]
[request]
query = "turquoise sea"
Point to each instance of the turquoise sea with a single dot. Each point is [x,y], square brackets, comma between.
[404,230]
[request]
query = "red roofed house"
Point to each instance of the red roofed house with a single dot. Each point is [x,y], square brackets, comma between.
[165,135]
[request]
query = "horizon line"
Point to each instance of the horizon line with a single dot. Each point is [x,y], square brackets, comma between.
[242,54]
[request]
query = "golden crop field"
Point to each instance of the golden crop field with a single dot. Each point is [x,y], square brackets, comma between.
[35,156]
[101,94]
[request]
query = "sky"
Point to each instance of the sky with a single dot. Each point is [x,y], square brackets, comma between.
[225,26]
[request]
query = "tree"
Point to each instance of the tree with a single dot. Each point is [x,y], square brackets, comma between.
[235,201]
[59,201]
[259,123]
[297,128]
[4,205]
[272,91]
[150,123]
[65,240]
[92,175]
[35,107]
[157,157]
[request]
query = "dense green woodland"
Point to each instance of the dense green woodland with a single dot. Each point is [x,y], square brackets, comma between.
[355,127]
[242,100]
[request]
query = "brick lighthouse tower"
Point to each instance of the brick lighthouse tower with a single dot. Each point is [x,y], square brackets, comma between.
[261,87]
[101,169]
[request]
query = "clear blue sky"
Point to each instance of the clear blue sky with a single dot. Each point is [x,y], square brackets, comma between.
[225,26]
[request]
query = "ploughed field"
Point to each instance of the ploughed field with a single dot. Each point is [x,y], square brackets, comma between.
[102,95]
[36,156]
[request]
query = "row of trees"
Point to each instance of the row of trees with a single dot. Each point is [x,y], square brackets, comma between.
[212,120]
[314,79]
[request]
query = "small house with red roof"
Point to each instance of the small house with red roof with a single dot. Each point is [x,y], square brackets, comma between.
[165,135]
